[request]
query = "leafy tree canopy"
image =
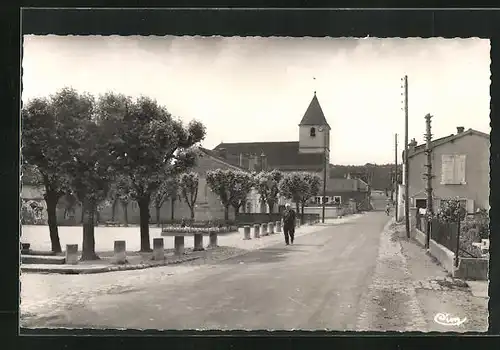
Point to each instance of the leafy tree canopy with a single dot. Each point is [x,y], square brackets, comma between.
[148,144]
[266,184]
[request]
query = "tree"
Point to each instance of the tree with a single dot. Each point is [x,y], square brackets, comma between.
[310,189]
[148,145]
[240,186]
[188,184]
[266,184]
[168,189]
[90,169]
[451,211]
[45,141]
[70,202]
[119,193]
[294,187]
[220,182]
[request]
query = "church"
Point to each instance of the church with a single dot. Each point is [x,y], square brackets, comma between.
[307,154]
[311,153]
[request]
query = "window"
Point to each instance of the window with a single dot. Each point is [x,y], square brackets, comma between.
[312,132]
[337,200]
[453,169]
[421,203]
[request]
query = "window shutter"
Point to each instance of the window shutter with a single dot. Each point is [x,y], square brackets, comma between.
[460,164]
[447,169]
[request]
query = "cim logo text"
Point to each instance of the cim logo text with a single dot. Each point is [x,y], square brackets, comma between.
[445,319]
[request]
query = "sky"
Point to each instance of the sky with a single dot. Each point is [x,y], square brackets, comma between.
[250,89]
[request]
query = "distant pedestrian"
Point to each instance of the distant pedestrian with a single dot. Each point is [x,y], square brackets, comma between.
[289,223]
[388,209]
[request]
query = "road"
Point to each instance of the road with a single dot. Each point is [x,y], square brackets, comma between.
[315,284]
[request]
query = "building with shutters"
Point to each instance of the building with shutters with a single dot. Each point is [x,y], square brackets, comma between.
[460,165]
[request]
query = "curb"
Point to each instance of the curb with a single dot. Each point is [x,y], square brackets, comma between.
[104,269]
[264,246]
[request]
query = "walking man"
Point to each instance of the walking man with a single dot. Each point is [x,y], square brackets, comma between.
[288,223]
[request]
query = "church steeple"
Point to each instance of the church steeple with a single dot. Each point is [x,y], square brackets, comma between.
[314,114]
[314,131]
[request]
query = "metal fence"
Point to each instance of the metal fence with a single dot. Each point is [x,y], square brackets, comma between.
[445,234]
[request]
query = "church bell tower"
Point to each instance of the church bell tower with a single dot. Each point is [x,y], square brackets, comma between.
[314,131]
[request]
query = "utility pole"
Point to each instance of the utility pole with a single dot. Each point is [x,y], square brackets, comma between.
[407,185]
[396,175]
[323,130]
[428,176]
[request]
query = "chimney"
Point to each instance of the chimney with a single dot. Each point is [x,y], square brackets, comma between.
[222,153]
[263,161]
[460,129]
[412,145]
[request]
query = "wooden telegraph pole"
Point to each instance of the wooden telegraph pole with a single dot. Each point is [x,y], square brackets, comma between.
[428,176]
[396,191]
[406,165]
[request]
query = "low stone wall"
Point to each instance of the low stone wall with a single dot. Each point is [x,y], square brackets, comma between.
[330,212]
[419,236]
[445,256]
[472,269]
[468,268]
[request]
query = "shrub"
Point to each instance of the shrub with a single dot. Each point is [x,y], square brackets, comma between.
[201,224]
[473,229]
[451,211]
[467,237]
[32,213]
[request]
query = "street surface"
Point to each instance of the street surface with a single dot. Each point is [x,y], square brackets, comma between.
[345,277]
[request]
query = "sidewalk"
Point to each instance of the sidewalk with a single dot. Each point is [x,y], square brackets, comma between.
[439,294]
[230,245]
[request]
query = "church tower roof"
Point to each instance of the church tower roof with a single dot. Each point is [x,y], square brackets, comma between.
[314,114]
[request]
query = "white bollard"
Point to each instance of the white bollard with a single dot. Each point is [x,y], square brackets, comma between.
[71,254]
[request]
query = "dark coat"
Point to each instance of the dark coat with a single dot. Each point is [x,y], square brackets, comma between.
[289,219]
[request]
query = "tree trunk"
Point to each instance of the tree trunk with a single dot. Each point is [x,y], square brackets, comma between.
[236,211]
[83,214]
[51,199]
[270,204]
[302,212]
[297,206]
[125,213]
[113,210]
[144,223]
[157,216]
[172,209]
[226,213]
[88,244]
[191,208]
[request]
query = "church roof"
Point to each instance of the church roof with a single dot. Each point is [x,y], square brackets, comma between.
[279,155]
[314,114]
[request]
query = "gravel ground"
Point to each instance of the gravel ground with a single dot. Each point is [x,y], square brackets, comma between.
[46,294]
[438,293]
[55,292]
[410,290]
